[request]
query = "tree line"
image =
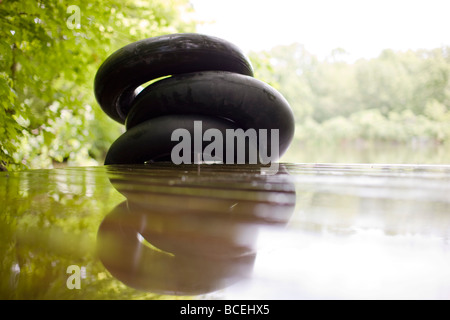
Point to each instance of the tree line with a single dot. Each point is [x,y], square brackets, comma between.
[398,97]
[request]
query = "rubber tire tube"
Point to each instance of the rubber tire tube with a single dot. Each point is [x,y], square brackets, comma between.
[150,141]
[248,102]
[139,62]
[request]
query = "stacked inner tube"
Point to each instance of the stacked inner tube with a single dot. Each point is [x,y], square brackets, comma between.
[193,77]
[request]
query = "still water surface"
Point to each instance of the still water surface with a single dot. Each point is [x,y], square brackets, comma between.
[312,231]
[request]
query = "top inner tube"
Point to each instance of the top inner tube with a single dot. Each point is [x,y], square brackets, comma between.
[139,62]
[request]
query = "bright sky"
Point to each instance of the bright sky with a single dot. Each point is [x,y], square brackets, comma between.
[362,27]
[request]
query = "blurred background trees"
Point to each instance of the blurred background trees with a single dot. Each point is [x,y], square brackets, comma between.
[49,116]
[399,99]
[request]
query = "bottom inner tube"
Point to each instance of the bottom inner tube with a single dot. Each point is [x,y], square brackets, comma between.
[190,139]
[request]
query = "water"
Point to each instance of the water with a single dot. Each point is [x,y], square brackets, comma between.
[368,152]
[312,231]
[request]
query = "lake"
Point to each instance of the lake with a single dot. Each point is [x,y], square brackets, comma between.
[158,231]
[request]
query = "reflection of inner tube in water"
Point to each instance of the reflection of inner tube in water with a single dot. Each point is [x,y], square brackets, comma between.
[183,232]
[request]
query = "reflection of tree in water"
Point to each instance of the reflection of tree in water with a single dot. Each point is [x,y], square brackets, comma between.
[49,220]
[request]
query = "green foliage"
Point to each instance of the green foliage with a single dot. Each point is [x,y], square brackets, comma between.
[398,97]
[48,113]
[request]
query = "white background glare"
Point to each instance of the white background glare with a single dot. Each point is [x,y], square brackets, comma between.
[362,28]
